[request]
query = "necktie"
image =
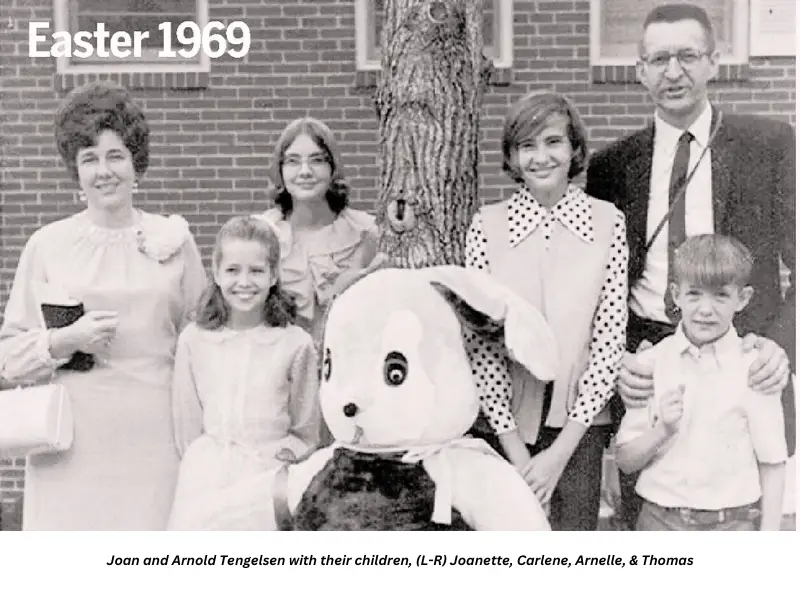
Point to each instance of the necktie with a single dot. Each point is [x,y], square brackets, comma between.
[677,217]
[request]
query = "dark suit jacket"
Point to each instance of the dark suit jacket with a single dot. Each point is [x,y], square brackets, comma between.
[753,180]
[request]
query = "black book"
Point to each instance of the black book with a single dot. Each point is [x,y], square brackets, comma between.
[59,315]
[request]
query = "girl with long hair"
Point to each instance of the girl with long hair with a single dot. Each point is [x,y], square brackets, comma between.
[244,391]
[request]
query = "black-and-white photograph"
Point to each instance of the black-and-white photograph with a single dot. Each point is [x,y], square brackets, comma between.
[397,265]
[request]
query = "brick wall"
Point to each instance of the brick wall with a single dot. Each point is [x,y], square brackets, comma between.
[210,147]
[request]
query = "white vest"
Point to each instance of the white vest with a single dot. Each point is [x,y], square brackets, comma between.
[563,278]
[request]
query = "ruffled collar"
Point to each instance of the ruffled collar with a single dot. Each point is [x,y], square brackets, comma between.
[347,229]
[157,237]
[105,235]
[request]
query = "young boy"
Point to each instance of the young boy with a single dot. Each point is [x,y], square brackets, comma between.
[708,447]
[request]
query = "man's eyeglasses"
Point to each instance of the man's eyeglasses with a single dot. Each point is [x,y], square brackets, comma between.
[687,58]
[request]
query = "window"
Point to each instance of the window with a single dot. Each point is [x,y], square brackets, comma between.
[497,33]
[132,16]
[616,26]
[772,27]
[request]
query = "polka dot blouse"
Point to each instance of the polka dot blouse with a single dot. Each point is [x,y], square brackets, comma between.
[489,360]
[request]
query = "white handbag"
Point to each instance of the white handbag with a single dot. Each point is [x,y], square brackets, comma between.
[35,420]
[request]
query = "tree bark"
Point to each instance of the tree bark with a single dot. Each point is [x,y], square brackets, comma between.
[428,100]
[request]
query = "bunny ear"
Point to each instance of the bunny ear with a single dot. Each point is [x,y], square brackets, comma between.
[528,338]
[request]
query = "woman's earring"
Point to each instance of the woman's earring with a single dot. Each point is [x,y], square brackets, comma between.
[82,197]
[134,187]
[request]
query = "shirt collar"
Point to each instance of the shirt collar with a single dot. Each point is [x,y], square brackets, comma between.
[700,129]
[724,346]
[573,211]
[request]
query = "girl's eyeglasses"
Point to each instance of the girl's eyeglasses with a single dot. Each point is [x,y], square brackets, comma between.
[314,162]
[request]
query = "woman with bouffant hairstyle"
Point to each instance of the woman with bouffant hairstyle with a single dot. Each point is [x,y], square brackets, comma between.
[135,278]
[103,107]
[321,236]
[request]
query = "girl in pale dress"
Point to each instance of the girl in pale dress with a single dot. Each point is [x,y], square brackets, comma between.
[244,392]
[138,276]
[321,236]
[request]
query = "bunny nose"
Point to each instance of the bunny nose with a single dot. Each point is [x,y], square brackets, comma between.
[350,409]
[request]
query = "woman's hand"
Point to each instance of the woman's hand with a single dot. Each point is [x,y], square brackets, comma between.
[770,371]
[515,449]
[543,472]
[92,333]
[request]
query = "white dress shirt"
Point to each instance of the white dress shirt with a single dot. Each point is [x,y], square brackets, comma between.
[647,294]
[725,431]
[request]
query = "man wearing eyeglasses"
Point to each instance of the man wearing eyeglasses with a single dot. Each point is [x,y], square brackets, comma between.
[695,170]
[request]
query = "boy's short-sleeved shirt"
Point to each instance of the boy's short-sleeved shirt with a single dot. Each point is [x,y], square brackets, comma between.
[726,429]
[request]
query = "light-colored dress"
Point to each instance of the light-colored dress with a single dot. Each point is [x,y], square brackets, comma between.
[239,397]
[120,472]
[311,266]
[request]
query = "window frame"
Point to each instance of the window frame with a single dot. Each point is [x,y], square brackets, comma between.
[766,43]
[505,45]
[64,66]
[740,34]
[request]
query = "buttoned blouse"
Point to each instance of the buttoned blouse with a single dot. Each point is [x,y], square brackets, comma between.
[254,389]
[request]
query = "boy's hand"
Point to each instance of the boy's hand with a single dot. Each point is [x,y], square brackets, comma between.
[636,379]
[769,372]
[671,408]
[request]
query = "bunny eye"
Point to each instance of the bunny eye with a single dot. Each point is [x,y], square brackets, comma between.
[395,369]
[326,365]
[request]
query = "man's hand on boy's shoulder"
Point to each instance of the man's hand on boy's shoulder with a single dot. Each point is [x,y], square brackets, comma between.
[635,383]
[769,372]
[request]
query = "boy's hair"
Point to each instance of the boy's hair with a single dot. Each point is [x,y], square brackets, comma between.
[713,261]
[279,308]
[528,116]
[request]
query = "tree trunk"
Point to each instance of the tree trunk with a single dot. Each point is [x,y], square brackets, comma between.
[428,101]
